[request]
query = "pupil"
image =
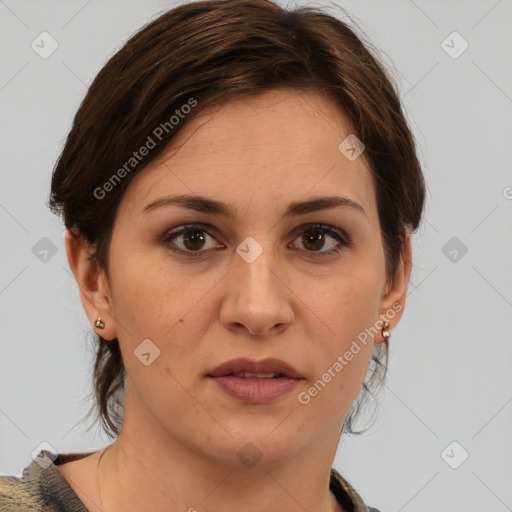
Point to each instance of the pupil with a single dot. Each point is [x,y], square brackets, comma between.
[194,237]
[311,239]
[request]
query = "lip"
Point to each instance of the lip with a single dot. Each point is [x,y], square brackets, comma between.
[254,390]
[268,365]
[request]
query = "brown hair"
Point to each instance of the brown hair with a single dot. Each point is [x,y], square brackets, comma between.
[211,52]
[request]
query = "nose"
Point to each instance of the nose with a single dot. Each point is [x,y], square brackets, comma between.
[257,300]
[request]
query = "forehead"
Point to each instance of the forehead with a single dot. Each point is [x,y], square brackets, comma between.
[280,145]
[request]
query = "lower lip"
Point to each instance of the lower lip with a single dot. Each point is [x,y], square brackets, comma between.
[256,391]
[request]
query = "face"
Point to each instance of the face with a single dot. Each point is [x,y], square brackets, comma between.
[259,283]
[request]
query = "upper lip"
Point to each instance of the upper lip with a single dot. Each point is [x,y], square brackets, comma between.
[269,365]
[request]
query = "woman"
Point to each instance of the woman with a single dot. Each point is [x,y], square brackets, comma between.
[239,188]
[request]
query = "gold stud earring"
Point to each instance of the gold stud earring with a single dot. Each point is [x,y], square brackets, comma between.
[99,323]
[385,332]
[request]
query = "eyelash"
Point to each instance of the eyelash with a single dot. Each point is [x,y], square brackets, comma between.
[343,239]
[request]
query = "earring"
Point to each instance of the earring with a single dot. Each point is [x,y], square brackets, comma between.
[100,324]
[385,333]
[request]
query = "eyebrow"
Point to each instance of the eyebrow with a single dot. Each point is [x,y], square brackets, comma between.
[206,205]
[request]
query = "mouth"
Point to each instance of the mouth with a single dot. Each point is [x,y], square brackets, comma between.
[255,382]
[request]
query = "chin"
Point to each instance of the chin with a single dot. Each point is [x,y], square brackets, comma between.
[266,444]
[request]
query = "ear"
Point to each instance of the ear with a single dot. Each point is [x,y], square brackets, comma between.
[394,294]
[93,285]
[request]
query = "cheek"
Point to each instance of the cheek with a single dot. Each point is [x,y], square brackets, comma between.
[350,307]
[159,302]
[341,359]
[350,303]
[143,287]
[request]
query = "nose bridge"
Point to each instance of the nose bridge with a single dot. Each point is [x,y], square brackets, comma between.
[256,264]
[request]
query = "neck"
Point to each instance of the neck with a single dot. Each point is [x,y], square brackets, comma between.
[150,473]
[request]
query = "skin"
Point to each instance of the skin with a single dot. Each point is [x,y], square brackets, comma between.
[181,435]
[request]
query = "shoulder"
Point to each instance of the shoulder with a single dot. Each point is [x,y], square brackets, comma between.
[41,488]
[347,496]
[18,495]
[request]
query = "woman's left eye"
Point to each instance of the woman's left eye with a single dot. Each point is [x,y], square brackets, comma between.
[191,239]
[315,237]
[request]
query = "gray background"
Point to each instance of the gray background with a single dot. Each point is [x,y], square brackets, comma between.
[450,373]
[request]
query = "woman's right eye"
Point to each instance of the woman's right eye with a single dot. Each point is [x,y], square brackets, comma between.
[188,240]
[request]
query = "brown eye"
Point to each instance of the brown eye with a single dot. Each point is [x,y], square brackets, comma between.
[194,240]
[313,242]
[317,237]
[191,241]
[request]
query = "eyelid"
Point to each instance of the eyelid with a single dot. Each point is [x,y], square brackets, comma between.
[325,227]
[207,228]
